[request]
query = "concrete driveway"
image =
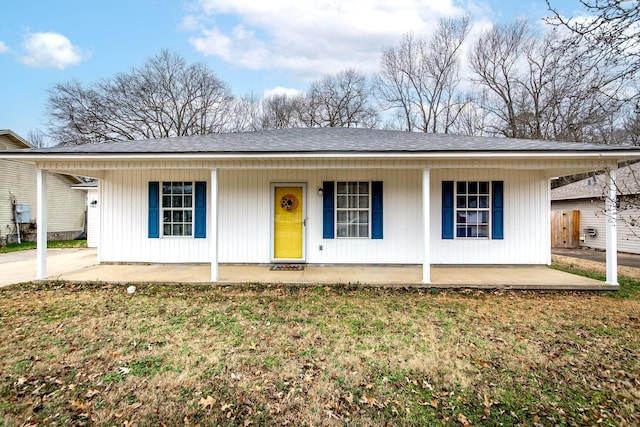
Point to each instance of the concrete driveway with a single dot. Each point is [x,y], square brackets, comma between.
[20,266]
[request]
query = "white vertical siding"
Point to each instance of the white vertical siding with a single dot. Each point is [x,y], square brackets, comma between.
[245,229]
[526,225]
[592,215]
[93,218]
[125,201]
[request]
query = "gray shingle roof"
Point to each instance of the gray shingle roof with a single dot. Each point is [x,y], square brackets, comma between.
[627,181]
[327,140]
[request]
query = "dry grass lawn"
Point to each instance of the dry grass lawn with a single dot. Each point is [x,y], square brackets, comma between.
[261,355]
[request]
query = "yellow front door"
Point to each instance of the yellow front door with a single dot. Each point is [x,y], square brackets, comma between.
[287,223]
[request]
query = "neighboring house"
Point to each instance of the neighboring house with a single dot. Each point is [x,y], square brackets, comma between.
[65,210]
[588,197]
[326,196]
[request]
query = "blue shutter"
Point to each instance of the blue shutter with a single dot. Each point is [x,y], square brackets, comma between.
[497,213]
[154,210]
[200,214]
[447,209]
[327,210]
[376,210]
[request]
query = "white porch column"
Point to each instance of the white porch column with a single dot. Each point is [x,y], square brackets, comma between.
[426,227]
[41,224]
[612,236]
[213,218]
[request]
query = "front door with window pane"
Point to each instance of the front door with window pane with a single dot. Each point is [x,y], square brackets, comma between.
[288,223]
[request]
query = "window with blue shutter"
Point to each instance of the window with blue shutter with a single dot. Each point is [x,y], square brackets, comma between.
[177,208]
[154,211]
[327,210]
[447,210]
[376,210]
[497,210]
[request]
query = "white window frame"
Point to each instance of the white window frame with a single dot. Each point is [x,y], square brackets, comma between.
[172,209]
[467,209]
[352,210]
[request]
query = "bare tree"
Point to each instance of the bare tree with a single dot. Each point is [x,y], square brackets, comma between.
[340,100]
[283,111]
[536,89]
[37,138]
[165,97]
[419,78]
[611,34]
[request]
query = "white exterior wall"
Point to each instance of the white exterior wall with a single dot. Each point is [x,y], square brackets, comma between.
[592,215]
[124,201]
[93,218]
[526,220]
[245,223]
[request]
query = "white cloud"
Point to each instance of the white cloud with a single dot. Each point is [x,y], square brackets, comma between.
[279,90]
[3,47]
[310,38]
[50,50]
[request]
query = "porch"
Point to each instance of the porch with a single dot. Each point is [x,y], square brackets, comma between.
[81,266]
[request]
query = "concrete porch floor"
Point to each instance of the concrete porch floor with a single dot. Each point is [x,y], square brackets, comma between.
[80,266]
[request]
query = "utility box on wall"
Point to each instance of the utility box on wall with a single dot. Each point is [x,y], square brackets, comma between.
[22,213]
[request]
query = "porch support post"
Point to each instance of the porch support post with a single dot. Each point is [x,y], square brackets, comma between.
[41,224]
[426,227]
[213,219]
[611,234]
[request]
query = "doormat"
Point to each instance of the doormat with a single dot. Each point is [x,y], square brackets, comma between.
[287,267]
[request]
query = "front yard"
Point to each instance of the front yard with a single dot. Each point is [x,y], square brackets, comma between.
[256,355]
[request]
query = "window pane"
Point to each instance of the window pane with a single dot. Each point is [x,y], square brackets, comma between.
[484,187]
[342,188]
[363,231]
[188,230]
[188,216]
[177,216]
[461,217]
[166,188]
[166,201]
[363,188]
[364,202]
[342,230]
[176,188]
[483,231]
[483,201]
[472,217]
[473,202]
[343,217]
[461,231]
[353,187]
[473,187]
[353,201]
[177,201]
[166,216]
[353,230]
[353,217]
[188,188]
[484,217]
[342,201]
[177,229]
[363,217]
[461,202]
[462,188]
[167,230]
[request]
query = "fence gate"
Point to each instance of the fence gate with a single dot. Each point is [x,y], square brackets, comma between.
[565,229]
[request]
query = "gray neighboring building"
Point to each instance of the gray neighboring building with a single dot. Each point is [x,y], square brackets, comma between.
[587,196]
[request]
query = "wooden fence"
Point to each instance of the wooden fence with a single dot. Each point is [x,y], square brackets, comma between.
[565,229]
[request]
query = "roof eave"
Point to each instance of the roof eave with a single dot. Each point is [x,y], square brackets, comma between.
[427,155]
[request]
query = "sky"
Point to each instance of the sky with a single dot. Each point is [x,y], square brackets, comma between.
[256,46]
